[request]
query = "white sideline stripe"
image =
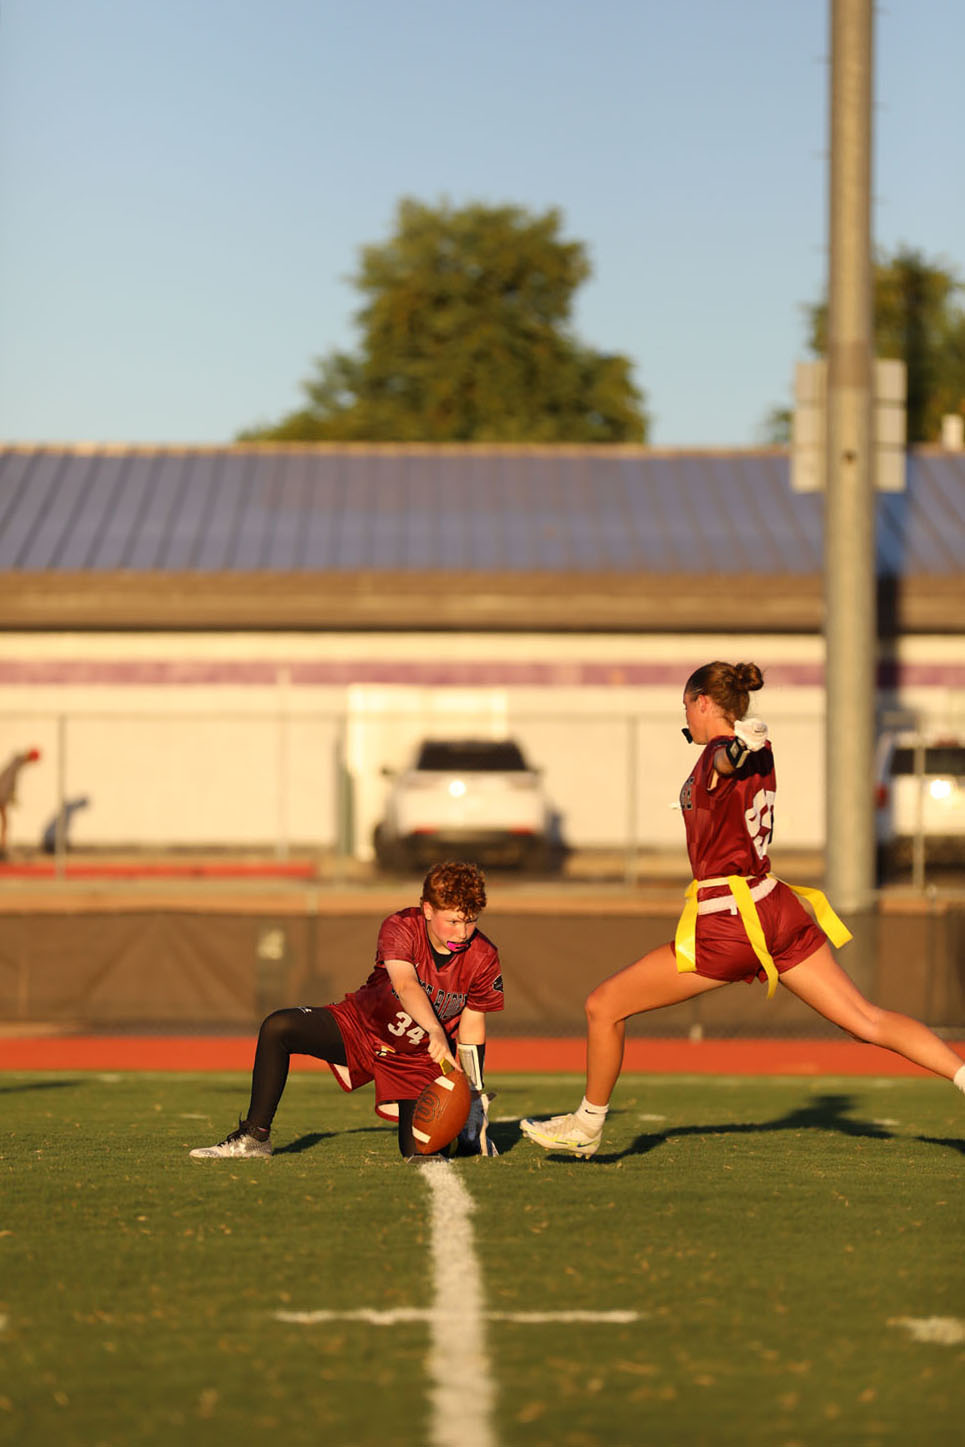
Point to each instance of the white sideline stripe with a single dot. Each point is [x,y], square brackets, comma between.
[461,1402]
[399,1315]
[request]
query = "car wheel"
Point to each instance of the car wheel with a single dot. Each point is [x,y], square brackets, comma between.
[389,854]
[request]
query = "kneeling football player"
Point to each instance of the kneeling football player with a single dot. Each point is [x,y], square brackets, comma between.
[436,978]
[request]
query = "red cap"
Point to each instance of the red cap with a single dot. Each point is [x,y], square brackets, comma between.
[33,756]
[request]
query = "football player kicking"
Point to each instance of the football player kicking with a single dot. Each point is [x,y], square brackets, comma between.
[436,977]
[739,922]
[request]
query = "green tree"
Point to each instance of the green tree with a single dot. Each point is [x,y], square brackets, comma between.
[775,429]
[466,337]
[917,320]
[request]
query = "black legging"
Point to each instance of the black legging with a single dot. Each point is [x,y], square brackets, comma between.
[308,1031]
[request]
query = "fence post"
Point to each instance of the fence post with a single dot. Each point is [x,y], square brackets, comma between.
[632,822]
[918,842]
[60,823]
[344,812]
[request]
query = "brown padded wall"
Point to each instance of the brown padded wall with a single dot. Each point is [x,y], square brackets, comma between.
[181,969]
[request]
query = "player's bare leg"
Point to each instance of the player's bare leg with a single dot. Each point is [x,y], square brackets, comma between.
[648,984]
[821,983]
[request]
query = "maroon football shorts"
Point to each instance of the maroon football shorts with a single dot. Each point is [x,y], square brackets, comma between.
[725,953]
[397,1075]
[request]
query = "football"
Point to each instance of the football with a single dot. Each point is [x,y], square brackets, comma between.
[441,1112]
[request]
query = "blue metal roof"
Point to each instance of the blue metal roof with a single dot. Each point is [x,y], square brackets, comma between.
[435,509]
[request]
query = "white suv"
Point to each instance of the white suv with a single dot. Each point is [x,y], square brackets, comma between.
[920,794]
[467,798]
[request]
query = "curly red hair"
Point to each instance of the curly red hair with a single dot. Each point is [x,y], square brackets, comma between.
[456,884]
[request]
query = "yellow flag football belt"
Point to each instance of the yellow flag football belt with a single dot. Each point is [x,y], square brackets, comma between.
[685,940]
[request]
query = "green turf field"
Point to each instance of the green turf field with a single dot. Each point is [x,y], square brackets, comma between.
[776,1241]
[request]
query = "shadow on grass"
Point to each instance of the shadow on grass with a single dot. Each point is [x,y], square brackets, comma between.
[44,1085]
[947,1141]
[823,1113]
[314,1138]
[505,1135]
[306,1142]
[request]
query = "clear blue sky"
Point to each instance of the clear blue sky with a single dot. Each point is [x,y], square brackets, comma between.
[186,183]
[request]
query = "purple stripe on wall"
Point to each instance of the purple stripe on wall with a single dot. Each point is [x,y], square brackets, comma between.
[185,673]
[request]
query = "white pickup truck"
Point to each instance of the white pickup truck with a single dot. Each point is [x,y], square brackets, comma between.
[920,798]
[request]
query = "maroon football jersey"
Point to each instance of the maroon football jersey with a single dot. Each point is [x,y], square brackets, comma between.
[469,977]
[729,827]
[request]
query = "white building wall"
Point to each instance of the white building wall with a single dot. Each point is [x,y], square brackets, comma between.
[239,739]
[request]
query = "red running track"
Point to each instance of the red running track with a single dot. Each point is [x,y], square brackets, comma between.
[536,1055]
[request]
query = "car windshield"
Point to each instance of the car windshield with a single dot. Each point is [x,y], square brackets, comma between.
[941,759]
[471,756]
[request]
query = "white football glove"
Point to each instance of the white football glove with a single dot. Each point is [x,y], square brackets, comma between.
[752,732]
[473,1139]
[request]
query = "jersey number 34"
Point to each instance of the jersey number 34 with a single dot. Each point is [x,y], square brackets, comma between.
[404,1025]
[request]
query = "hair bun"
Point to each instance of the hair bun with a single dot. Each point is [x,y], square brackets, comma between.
[748,677]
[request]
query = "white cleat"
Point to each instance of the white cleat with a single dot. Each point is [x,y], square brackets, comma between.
[239,1144]
[563,1133]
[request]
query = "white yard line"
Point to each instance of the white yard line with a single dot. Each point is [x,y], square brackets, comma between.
[461,1388]
[398,1315]
[942,1330]
[462,1399]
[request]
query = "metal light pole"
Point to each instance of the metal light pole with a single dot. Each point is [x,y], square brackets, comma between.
[850,593]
